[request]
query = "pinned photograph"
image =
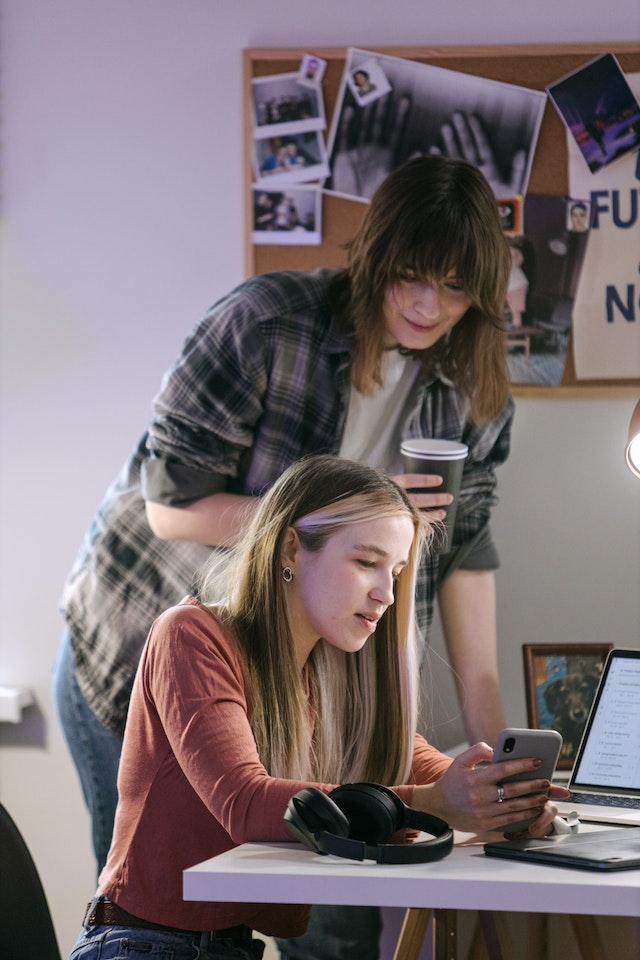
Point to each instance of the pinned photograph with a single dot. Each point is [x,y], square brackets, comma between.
[510,213]
[311,70]
[368,82]
[291,216]
[600,111]
[578,215]
[425,110]
[546,265]
[282,104]
[290,159]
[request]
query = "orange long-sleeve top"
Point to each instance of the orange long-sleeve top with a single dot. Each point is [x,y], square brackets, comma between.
[191,783]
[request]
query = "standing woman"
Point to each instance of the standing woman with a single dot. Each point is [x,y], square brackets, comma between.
[407,341]
[303,675]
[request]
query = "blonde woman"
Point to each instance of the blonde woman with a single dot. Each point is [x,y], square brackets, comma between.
[302,674]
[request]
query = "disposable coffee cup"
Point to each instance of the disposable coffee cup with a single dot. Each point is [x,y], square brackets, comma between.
[445,458]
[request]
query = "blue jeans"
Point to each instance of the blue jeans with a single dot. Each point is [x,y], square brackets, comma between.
[94,748]
[135,943]
[337,933]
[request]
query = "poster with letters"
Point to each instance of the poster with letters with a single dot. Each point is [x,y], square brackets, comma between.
[606,325]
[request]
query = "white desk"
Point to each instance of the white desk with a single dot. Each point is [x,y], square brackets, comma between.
[465,880]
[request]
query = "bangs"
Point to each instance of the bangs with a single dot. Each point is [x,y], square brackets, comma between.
[449,245]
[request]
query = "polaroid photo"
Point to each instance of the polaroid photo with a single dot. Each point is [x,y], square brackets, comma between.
[311,70]
[617,176]
[282,104]
[295,158]
[368,82]
[578,215]
[600,111]
[289,216]
[426,110]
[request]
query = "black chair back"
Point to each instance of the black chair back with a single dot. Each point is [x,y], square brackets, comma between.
[26,927]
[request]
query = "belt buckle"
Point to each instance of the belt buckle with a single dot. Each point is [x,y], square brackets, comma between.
[90,914]
[239,932]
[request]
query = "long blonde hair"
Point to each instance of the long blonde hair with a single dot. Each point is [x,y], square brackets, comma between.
[430,216]
[365,703]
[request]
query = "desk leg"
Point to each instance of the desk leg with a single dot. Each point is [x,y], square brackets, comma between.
[414,929]
[445,935]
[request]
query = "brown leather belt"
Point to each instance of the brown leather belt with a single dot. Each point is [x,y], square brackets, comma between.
[107,912]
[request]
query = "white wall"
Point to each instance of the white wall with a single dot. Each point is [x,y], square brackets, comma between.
[122,221]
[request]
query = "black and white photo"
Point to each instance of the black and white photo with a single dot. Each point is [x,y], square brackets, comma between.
[427,109]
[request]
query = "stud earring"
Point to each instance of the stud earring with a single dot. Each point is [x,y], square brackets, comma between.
[287,574]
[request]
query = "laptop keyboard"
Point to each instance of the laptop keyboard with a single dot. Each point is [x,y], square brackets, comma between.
[632,803]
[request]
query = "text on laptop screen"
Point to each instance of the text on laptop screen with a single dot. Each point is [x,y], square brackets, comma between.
[610,752]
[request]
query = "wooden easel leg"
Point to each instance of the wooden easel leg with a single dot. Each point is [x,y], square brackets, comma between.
[477,947]
[588,937]
[414,929]
[496,942]
[445,935]
[537,936]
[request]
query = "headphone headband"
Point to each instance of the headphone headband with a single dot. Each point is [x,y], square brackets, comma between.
[356,820]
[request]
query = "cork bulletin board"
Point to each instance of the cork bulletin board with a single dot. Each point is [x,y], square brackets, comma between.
[531,66]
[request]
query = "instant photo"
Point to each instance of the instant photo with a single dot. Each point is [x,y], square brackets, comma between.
[294,158]
[311,70]
[600,111]
[284,104]
[291,216]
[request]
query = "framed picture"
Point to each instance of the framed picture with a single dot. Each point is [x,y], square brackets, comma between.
[561,682]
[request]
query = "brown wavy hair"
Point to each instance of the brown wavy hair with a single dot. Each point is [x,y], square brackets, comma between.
[431,216]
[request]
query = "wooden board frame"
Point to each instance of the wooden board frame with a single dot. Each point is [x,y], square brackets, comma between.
[528,65]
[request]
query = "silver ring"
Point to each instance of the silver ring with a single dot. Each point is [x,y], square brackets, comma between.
[500,794]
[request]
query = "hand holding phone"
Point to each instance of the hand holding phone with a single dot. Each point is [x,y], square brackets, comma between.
[515,744]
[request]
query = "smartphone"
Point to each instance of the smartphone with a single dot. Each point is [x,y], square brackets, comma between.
[514,744]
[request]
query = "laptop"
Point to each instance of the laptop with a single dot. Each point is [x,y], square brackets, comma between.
[605,779]
[602,850]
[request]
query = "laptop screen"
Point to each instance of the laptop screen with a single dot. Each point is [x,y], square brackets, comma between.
[609,754]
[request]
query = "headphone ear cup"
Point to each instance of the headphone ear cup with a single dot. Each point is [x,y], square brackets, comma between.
[371,812]
[311,812]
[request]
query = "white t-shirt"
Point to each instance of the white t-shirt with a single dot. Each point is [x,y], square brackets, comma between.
[371,432]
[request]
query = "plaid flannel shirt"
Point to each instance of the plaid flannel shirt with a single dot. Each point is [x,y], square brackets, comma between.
[262,380]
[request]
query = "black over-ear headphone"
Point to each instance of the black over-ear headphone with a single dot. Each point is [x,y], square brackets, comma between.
[357,820]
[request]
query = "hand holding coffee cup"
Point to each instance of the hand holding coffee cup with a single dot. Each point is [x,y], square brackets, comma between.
[445,458]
